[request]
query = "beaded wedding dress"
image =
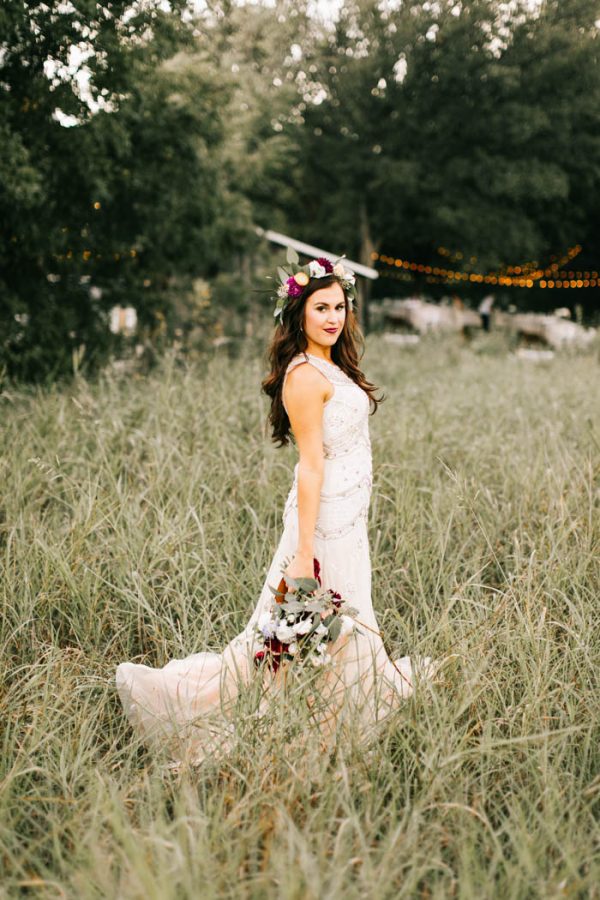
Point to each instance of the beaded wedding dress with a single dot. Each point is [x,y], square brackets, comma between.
[186,706]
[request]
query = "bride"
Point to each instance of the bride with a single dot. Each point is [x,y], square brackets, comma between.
[320,397]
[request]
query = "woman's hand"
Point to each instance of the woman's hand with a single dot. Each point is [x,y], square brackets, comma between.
[301,566]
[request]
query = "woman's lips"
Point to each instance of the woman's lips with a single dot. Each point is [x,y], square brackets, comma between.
[331,330]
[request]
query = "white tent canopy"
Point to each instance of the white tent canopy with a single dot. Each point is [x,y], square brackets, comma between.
[308,250]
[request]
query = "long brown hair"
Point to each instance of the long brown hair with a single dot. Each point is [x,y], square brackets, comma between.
[289,340]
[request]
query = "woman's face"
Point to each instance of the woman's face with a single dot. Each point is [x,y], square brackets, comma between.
[324,316]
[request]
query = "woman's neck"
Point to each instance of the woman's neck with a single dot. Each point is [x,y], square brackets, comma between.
[319,352]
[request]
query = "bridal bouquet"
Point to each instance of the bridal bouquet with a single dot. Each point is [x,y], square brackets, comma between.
[303,619]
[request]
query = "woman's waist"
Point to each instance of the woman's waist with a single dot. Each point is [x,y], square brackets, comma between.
[358,445]
[342,506]
[342,476]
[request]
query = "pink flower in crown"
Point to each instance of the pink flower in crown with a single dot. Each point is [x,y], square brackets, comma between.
[294,289]
[326,263]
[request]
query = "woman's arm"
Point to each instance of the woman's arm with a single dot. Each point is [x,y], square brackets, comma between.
[306,391]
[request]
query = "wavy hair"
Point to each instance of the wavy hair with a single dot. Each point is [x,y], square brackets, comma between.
[289,340]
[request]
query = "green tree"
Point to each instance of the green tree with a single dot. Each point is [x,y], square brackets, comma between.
[256,48]
[128,198]
[455,124]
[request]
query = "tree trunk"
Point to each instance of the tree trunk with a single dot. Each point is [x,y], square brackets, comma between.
[246,269]
[366,249]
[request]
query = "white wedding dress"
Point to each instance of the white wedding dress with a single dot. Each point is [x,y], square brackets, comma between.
[186,706]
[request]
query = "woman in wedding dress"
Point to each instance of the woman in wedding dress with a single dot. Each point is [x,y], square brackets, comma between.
[319,397]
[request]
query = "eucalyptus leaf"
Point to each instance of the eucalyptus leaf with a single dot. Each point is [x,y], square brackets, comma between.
[291,606]
[315,606]
[335,628]
[283,275]
[292,257]
[349,610]
[308,585]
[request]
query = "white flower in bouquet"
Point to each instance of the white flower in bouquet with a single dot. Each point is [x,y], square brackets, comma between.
[266,625]
[268,631]
[303,626]
[316,270]
[285,633]
[293,648]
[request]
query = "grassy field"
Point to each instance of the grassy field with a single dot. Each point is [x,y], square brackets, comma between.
[138,511]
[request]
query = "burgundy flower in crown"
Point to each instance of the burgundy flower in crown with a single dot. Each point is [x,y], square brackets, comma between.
[326,264]
[294,278]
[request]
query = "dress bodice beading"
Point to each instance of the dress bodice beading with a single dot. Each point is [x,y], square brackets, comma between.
[347,477]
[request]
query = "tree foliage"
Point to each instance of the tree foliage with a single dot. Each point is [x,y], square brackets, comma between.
[450,124]
[399,128]
[130,196]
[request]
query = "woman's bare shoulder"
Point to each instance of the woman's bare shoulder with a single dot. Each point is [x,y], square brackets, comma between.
[304,381]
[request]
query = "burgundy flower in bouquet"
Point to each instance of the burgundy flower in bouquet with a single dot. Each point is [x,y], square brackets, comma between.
[303,620]
[336,598]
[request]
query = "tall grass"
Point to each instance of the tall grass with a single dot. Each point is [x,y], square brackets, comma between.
[138,518]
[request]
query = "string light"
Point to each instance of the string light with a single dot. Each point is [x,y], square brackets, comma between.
[526,269]
[508,282]
[87,254]
[527,275]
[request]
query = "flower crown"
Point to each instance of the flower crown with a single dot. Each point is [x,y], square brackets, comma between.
[294,279]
